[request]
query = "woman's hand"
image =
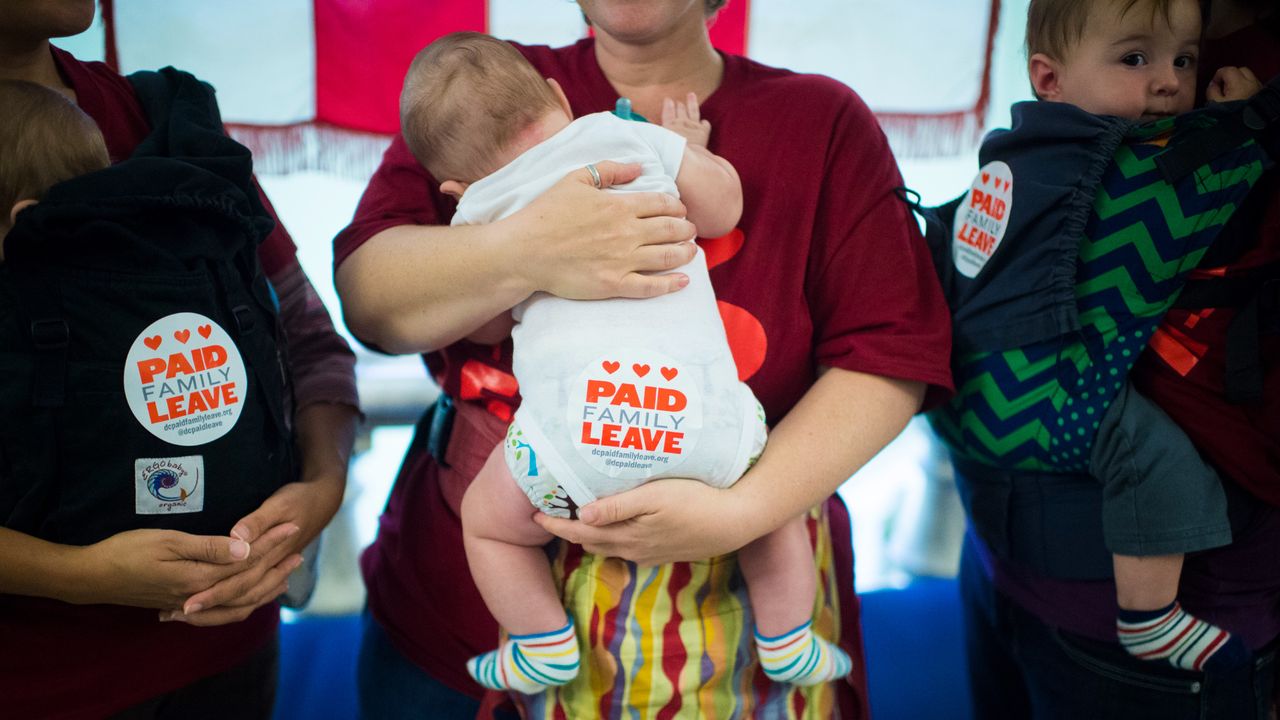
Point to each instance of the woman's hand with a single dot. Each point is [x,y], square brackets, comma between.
[418,288]
[577,242]
[155,568]
[662,521]
[277,531]
[292,517]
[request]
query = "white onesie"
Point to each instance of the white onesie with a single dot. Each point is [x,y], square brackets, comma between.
[617,392]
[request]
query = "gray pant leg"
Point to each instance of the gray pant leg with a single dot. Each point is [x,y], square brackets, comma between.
[1159,496]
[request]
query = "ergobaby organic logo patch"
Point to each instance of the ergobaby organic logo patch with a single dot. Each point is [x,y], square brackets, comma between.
[168,485]
[185,380]
[634,414]
[982,218]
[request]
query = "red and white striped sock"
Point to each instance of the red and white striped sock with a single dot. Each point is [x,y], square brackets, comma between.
[1175,635]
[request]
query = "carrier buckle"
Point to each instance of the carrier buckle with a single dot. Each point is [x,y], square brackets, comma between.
[244,318]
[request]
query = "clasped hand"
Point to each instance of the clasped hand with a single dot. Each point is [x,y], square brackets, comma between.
[212,580]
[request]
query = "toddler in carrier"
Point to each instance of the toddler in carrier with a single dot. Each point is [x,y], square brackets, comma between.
[1055,294]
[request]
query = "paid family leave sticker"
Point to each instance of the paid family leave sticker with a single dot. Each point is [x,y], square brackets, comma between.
[184,380]
[982,218]
[168,485]
[634,414]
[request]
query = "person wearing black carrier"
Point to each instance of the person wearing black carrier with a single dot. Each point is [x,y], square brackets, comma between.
[144,271]
[144,356]
[142,349]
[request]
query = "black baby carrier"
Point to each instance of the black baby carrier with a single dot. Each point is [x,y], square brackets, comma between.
[143,379]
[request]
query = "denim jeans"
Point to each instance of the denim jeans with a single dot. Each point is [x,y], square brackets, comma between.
[1019,667]
[391,687]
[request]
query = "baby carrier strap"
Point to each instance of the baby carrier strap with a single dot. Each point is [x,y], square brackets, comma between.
[1256,296]
[1254,293]
[1048,523]
[1051,524]
[1257,119]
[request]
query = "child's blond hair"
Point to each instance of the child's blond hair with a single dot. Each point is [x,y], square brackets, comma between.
[44,140]
[1055,26]
[465,97]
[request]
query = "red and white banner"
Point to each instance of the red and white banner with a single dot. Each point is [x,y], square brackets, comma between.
[313,84]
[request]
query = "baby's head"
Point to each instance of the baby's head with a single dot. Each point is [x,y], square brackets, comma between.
[472,103]
[1135,59]
[44,140]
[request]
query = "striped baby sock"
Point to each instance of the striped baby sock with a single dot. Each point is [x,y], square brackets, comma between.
[801,657]
[1176,635]
[529,663]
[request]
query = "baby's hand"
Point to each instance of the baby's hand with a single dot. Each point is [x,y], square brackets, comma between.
[684,119]
[1232,83]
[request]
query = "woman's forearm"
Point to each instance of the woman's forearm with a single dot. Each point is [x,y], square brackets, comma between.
[413,288]
[417,288]
[326,434]
[31,566]
[843,420]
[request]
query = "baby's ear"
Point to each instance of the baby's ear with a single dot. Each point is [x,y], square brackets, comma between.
[454,188]
[561,98]
[19,207]
[1045,74]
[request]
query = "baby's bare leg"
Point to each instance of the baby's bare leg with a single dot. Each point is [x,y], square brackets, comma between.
[782,583]
[781,578]
[1147,583]
[504,550]
[1153,626]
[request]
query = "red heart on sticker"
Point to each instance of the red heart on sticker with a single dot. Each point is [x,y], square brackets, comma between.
[182,336]
[204,331]
[610,366]
[985,178]
[152,342]
[641,370]
[669,373]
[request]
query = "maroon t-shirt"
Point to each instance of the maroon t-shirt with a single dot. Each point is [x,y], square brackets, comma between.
[88,661]
[826,267]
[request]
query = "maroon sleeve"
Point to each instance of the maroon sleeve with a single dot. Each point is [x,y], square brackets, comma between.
[278,251]
[401,192]
[876,302]
[321,362]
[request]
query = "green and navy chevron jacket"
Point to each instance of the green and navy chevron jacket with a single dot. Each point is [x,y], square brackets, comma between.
[1060,268]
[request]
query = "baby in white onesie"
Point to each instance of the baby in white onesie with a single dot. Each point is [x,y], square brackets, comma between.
[614,392]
